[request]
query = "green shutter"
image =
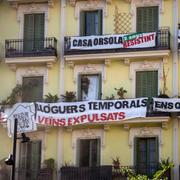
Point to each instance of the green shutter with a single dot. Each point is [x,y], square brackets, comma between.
[33,30]
[39,31]
[100,86]
[146,84]
[100,22]
[82,23]
[147,19]
[33,89]
[28,31]
[91,23]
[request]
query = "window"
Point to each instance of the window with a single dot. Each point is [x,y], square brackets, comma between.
[89,87]
[33,89]
[146,155]
[147,19]
[91,23]
[88,152]
[146,84]
[33,31]
[30,160]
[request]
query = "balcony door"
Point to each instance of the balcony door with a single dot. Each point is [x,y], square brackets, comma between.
[146,155]
[29,160]
[33,32]
[147,19]
[91,23]
[88,152]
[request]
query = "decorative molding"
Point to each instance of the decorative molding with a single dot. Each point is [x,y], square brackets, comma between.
[89,69]
[12,67]
[165,60]
[70,64]
[89,6]
[144,3]
[29,9]
[127,61]
[107,62]
[31,71]
[164,125]
[87,134]
[144,132]
[126,126]
[144,66]
[106,127]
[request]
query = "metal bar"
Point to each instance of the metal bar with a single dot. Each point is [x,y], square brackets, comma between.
[14,150]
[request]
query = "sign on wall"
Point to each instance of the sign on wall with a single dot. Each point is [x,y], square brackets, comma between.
[25,114]
[67,114]
[166,104]
[136,40]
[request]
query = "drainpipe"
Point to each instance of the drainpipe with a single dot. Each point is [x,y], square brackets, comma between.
[61,82]
[175,89]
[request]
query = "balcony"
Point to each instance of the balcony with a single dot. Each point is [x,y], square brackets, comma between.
[31,50]
[155,44]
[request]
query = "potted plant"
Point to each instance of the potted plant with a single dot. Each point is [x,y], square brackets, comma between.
[121,92]
[49,98]
[69,96]
[116,163]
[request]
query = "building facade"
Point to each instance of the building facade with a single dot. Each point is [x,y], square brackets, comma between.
[87,48]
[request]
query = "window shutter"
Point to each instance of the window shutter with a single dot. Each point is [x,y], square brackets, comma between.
[38,31]
[28,31]
[147,19]
[82,23]
[100,86]
[100,23]
[79,88]
[98,151]
[146,84]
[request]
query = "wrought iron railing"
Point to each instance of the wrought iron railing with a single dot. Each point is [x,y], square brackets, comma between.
[31,47]
[107,172]
[86,173]
[162,41]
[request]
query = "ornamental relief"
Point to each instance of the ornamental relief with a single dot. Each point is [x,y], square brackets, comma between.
[90,5]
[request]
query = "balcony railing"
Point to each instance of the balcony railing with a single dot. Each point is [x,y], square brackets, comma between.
[31,47]
[106,172]
[162,41]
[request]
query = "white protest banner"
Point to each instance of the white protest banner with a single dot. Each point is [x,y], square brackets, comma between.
[166,104]
[135,40]
[25,115]
[67,114]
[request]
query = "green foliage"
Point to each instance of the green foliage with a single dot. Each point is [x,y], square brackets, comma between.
[159,174]
[112,97]
[49,163]
[49,98]
[12,98]
[120,92]
[69,96]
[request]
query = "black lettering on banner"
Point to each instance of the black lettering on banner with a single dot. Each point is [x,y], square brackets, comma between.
[75,42]
[54,109]
[90,43]
[96,41]
[177,105]
[82,108]
[47,109]
[144,102]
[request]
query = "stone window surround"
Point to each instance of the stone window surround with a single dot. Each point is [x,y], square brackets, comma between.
[87,134]
[144,132]
[89,69]
[32,8]
[38,135]
[90,6]
[145,3]
[32,71]
[144,66]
